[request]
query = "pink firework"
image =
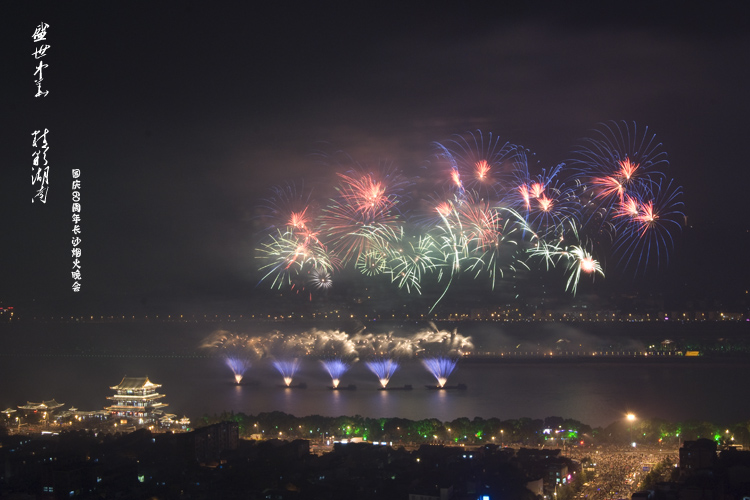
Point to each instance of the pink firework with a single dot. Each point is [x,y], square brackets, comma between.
[644,237]
[481,223]
[523,190]
[608,186]
[618,183]
[479,162]
[588,264]
[290,207]
[545,204]
[536,190]
[646,217]
[365,210]
[628,169]
[444,208]
[456,178]
[628,207]
[300,219]
[365,194]
[481,170]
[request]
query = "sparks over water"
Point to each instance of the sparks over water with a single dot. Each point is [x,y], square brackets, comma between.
[287,368]
[441,368]
[383,369]
[336,369]
[238,366]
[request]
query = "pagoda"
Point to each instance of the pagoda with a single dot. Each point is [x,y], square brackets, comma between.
[136,397]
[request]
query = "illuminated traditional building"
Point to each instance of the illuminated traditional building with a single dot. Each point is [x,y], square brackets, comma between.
[41,412]
[44,406]
[136,397]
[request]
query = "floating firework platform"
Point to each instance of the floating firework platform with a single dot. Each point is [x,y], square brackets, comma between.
[457,387]
[301,385]
[406,387]
[350,387]
[253,383]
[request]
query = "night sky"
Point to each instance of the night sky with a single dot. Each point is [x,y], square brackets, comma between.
[181,115]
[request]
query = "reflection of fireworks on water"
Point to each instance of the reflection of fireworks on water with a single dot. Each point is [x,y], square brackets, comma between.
[238,366]
[287,369]
[441,368]
[336,369]
[383,369]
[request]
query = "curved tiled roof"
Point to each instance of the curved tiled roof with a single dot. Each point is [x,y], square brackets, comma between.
[132,383]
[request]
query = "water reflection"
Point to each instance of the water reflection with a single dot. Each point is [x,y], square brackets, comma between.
[594,393]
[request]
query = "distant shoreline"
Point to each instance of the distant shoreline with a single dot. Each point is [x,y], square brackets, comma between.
[541,359]
[650,359]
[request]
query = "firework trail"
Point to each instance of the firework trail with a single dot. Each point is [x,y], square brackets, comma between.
[337,351]
[405,259]
[626,188]
[492,240]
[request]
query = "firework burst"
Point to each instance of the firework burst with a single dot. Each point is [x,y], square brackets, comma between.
[477,162]
[646,225]
[612,198]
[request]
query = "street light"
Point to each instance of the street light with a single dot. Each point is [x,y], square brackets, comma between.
[631,419]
